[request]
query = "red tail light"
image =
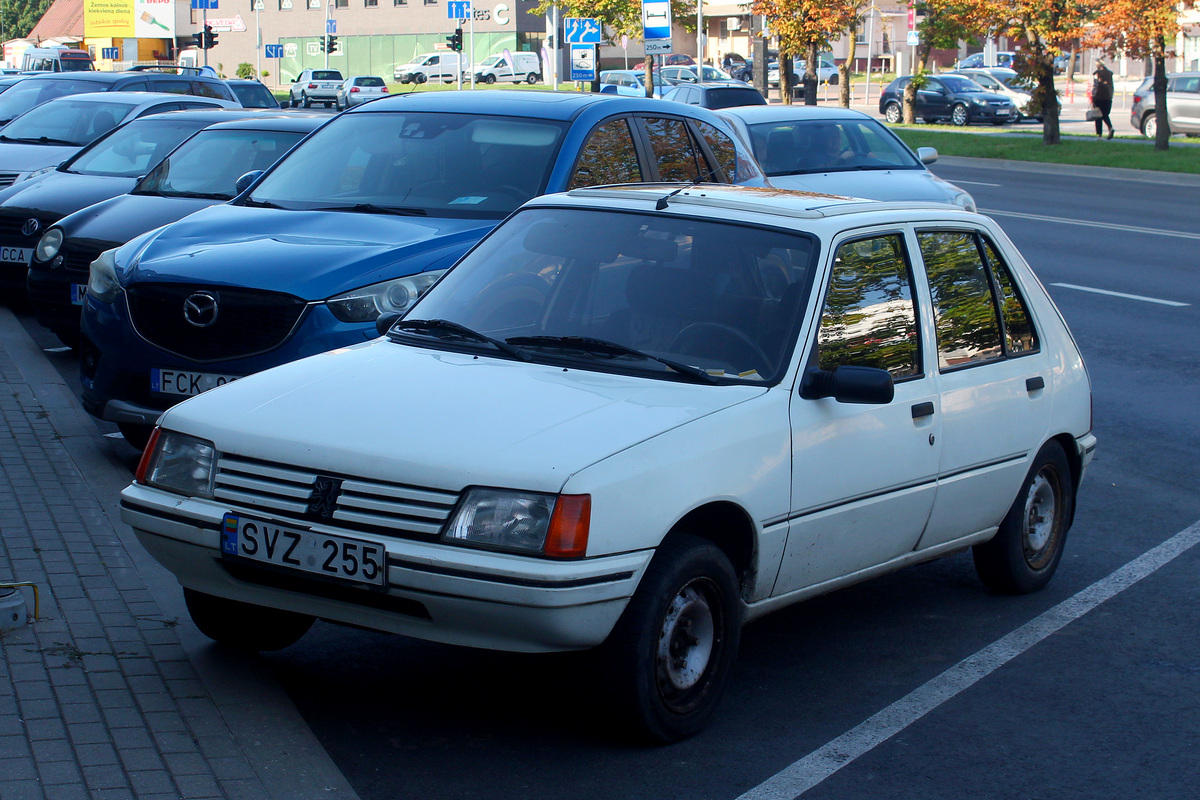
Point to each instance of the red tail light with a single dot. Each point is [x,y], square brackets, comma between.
[312,86]
[353,89]
[384,90]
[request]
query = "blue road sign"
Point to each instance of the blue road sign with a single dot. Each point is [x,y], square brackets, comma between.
[583,62]
[331,25]
[110,53]
[656,19]
[581,30]
[204,4]
[274,50]
[458,9]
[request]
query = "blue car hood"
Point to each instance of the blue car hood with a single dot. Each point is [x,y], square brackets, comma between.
[61,193]
[310,254]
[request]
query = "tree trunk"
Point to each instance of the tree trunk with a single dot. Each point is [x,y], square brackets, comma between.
[910,89]
[1043,73]
[1162,136]
[845,67]
[810,76]
[649,76]
[785,78]
[1071,65]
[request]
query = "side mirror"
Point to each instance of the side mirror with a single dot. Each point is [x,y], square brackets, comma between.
[384,323]
[927,155]
[243,183]
[867,385]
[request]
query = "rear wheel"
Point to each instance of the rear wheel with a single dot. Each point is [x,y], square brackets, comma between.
[304,101]
[959,115]
[1150,125]
[532,78]
[892,113]
[243,625]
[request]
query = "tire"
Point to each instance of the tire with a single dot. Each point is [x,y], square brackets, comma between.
[1150,125]
[671,654]
[420,77]
[532,78]
[833,79]
[959,115]
[135,433]
[304,101]
[1023,555]
[245,626]
[893,113]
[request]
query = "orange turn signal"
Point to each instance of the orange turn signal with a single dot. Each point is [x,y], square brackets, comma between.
[144,461]
[568,534]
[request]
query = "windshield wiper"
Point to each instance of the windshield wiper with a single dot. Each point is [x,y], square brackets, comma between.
[197,195]
[259,204]
[38,140]
[587,344]
[446,326]
[371,208]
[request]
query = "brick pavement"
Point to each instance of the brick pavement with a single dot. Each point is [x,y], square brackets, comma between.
[101,696]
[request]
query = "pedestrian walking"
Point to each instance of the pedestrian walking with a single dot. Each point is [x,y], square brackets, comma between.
[1102,98]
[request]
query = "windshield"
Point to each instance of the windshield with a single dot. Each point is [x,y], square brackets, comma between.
[130,151]
[69,121]
[29,93]
[584,287]
[795,147]
[492,61]
[254,95]
[447,165]
[75,63]
[209,164]
[960,85]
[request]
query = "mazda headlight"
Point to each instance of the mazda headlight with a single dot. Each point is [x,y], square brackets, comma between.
[527,522]
[47,246]
[390,297]
[102,278]
[178,463]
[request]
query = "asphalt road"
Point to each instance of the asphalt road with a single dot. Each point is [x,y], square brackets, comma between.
[857,694]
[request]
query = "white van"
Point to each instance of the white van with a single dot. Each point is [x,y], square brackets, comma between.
[56,59]
[525,67]
[444,66]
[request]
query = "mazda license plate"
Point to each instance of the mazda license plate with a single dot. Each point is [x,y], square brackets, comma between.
[304,550]
[186,384]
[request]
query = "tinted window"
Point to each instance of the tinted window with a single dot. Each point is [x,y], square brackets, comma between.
[133,86]
[210,163]
[326,75]
[968,329]
[369,81]
[674,152]
[794,147]
[1019,333]
[869,318]
[734,96]
[132,150]
[723,149]
[173,86]
[608,156]
[254,95]
[207,90]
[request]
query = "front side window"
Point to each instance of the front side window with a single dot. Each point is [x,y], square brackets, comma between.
[964,308]
[132,150]
[869,318]
[209,164]
[608,156]
[420,164]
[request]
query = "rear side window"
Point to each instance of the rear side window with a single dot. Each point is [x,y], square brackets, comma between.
[208,90]
[723,150]
[608,156]
[1019,333]
[674,151]
[173,86]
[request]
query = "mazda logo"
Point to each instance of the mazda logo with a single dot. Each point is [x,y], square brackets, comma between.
[200,309]
[31,227]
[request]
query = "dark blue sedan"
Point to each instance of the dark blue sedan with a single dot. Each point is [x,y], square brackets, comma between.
[355,222]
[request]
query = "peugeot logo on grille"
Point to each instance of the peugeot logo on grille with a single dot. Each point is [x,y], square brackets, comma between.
[31,226]
[200,309]
[323,501]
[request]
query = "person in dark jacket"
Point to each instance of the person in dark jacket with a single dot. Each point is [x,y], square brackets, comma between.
[1102,97]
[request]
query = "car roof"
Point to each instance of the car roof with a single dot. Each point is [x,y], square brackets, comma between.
[544,104]
[779,113]
[212,115]
[110,77]
[259,121]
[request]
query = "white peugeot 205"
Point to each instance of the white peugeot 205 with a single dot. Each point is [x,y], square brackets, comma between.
[632,419]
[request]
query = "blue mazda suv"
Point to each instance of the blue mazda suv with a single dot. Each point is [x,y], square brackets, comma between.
[357,221]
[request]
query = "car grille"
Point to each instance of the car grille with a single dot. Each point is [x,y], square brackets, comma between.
[248,322]
[11,222]
[351,503]
[77,258]
[8,178]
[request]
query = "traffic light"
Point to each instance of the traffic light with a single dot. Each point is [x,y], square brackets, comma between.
[324,44]
[198,40]
[455,40]
[210,38]
[330,44]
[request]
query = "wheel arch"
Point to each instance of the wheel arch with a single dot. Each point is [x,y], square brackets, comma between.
[1075,461]
[729,528]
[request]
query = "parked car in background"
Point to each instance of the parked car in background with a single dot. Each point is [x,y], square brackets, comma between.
[842,152]
[355,222]
[315,86]
[444,66]
[56,59]
[989,80]
[716,95]
[738,67]
[630,83]
[521,67]
[668,60]
[358,90]
[959,100]
[693,74]
[633,419]
[826,72]
[1061,61]
[34,90]
[252,94]
[202,171]
[1003,58]
[1183,105]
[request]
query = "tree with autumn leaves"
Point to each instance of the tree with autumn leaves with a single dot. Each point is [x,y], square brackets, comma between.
[1142,29]
[804,28]
[943,23]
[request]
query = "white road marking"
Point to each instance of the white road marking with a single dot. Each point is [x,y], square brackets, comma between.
[976,183]
[1120,294]
[814,768]
[1111,226]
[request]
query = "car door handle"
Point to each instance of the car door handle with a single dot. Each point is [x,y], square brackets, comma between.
[922,410]
[1035,383]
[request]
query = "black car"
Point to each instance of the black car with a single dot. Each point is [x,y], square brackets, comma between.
[201,172]
[948,97]
[726,94]
[253,94]
[37,89]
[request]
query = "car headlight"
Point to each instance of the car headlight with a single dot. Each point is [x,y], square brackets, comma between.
[102,277]
[178,463]
[390,297]
[979,102]
[38,172]
[47,246]
[527,522]
[965,200]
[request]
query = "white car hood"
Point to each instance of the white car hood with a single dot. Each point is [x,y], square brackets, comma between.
[892,184]
[442,420]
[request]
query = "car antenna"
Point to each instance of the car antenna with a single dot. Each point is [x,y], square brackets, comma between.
[662,201]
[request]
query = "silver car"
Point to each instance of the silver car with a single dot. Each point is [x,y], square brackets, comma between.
[842,152]
[315,86]
[359,89]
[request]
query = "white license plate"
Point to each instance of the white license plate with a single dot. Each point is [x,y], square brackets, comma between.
[186,384]
[78,293]
[14,255]
[317,553]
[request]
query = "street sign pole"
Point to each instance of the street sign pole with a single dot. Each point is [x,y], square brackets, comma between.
[471,58]
[204,30]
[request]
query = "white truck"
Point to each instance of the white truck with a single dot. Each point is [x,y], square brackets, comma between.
[523,67]
[444,66]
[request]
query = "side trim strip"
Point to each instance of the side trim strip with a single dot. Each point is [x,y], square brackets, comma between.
[529,582]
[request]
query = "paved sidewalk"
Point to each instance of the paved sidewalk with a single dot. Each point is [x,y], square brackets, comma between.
[112,693]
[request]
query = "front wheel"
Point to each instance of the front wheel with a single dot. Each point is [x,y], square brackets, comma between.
[893,114]
[1023,555]
[532,78]
[421,77]
[959,115]
[1150,125]
[243,625]
[671,654]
